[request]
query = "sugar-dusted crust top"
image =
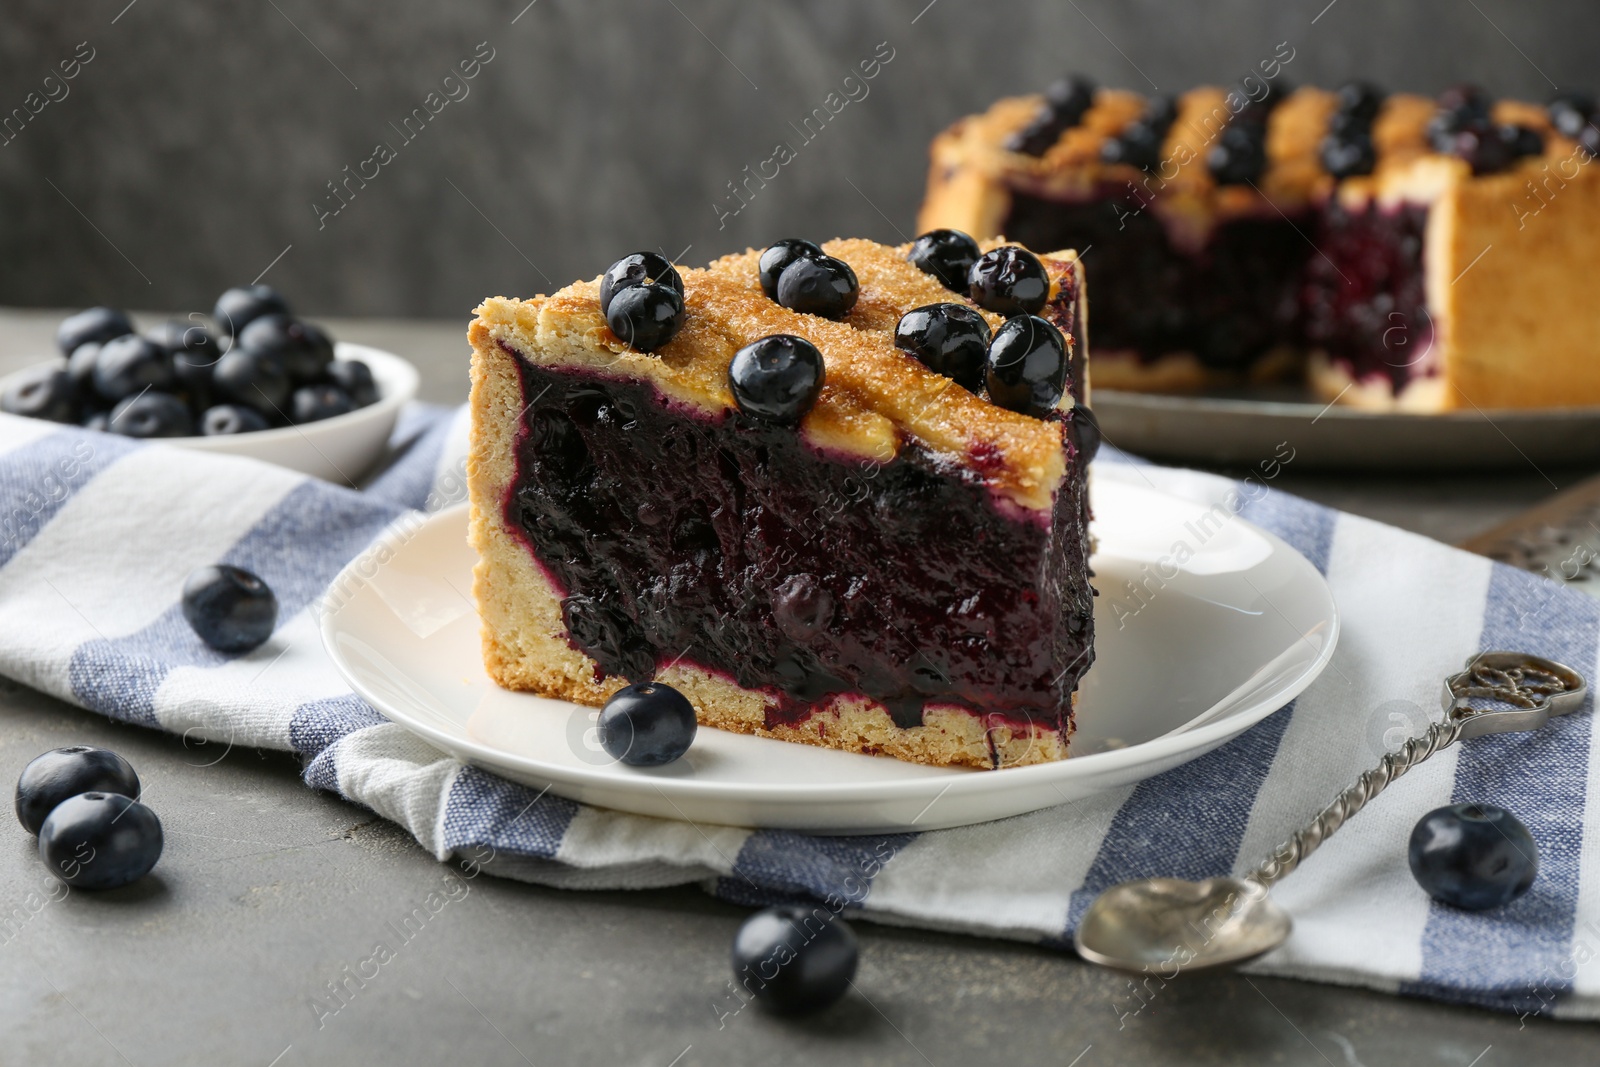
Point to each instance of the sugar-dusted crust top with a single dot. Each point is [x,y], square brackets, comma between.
[1407,168]
[876,398]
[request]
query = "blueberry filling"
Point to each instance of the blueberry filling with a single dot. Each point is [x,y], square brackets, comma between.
[802,574]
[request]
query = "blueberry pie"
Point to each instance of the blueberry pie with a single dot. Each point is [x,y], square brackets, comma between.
[1403,252]
[782,506]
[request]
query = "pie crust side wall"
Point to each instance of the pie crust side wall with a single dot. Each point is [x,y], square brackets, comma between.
[525,644]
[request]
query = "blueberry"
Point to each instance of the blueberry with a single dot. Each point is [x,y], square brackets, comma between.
[1138,145]
[646,724]
[1085,429]
[303,349]
[313,403]
[1160,112]
[1570,112]
[1009,280]
[42,393]
[641,268]
[254,380]
[130,365]
[81,366]
[777,378]
[1027,369]
[180,337]
[65,772]
[947,255]
[646,316]
[1485,148]
[1348,154]
[778,255]
[355,378]
[794,958]
[239,307]
[1360,100]
[231,609]
[151,414]
[1473,856]
[94,324]
[949,339]
[99,420]
[1239,156]
[1466,100]
[1522,141]
[226,419]
[1065,101]
[819,285]
[100,840]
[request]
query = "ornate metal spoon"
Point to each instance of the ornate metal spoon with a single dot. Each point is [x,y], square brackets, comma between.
[1168,924]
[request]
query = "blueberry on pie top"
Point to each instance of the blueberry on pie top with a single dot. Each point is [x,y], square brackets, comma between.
[810,532]
[1405,252]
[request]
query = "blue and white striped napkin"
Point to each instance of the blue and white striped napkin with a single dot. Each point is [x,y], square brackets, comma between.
[97,534]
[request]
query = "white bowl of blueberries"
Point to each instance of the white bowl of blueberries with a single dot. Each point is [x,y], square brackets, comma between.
[258,382]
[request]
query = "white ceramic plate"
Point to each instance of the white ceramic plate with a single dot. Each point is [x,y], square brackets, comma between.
[1240,631]
[340,449]
[1249,426]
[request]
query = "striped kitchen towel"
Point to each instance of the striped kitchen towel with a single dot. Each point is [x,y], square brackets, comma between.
[99,533]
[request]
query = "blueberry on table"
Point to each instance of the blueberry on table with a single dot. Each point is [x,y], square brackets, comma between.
[313,403]
[239,307]
[646,316]
[777,378]
[777,257]
[230,609]
[1474,856]
[226,419]
[646,724]
[355,378]
[254,380]
[94,324]
[100,840]
[947,255]
[1009,280]
[303,350]
[151,414]
[819,285]
[641,268]
[65,772]
[43,393]
[795,959]
[949,339]
[1027,369]
[129,365]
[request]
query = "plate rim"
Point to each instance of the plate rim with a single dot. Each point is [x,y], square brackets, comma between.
[1174,742]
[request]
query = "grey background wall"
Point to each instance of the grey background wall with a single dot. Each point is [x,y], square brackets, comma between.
[188,153]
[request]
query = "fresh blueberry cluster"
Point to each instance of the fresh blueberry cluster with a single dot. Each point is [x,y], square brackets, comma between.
[1139,144]
[1347,148]
[1473,856]
[1463,127]
[1024,364]
[802,277]
[646,724]
[1065,102]
[1572,114]
[641,297]
[83,804]
[260,368]
[229,608]
[1240,155]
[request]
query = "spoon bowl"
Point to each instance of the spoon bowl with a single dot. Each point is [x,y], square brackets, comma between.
[1168,924]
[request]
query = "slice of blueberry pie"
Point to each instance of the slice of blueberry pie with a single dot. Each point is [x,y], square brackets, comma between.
[834,494]
[1406,253]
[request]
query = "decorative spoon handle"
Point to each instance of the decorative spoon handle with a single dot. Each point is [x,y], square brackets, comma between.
[1532,689]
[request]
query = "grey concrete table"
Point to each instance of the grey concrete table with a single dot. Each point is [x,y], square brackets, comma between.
[268,892]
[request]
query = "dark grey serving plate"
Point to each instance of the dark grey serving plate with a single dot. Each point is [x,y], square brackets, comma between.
[1248,429]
